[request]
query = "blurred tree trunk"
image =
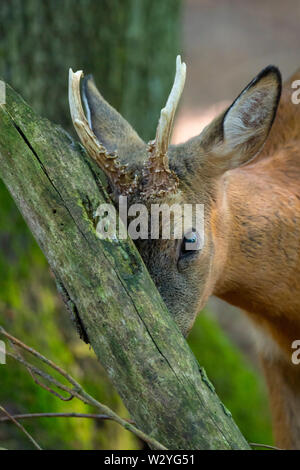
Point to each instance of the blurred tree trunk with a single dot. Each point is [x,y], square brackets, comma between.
[130,47]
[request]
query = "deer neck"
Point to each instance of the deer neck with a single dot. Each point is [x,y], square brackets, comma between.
[261,270]
[261,275]
[283,380]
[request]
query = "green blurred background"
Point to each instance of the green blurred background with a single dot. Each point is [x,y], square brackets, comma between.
[130,46]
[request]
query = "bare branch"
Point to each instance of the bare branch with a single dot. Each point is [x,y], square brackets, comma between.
[60,415]
[31,372]
[44,359]
[77,390]
[11,418]
[265,446]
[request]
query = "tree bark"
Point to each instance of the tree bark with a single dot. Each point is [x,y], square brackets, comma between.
[107,287]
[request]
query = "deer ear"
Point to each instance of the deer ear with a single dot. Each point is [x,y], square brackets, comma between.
[247,122]
[111,129]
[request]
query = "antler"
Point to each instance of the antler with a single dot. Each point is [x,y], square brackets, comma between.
[160,179]
[120,180]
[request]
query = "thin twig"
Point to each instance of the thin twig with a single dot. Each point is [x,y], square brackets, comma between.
[59,415]
[40,373]
[41,384]
[266,446]
[39,356]
[77,390]
[11,418]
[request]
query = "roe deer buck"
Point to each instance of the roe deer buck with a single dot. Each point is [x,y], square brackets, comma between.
[251,254]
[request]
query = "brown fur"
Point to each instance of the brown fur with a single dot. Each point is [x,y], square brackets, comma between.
[251,255]
[263,276]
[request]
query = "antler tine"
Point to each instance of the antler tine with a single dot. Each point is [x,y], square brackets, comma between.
[119,178]
[160,179]
[165,123]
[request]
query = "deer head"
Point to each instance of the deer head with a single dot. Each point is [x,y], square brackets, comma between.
[190,173]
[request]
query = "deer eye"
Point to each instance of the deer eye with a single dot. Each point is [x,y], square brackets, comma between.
[190,243]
